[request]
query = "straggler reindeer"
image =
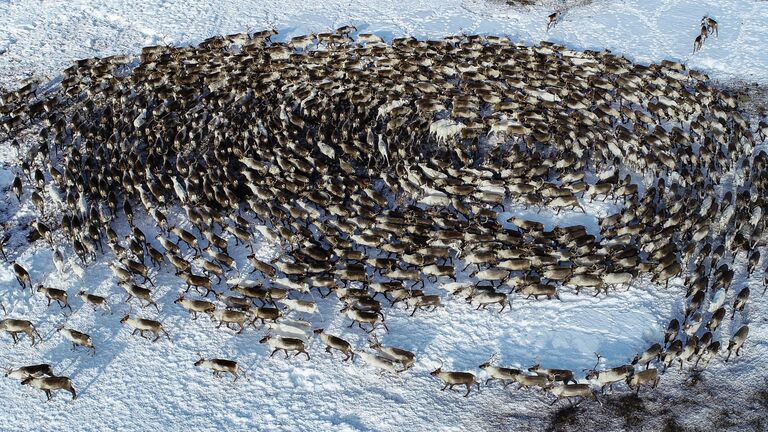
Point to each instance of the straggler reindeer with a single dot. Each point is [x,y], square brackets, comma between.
[673,329]
[337,343]
[227,316]
[367,317]
[698,43]
[649,355]
[25,372]
[22,275]
[737,341]
[59,295]
[584,391]
[16,326]
[608,377]
[77,338]
[380,362]
[50,383]
[710,24]
[643,377]
[484,297]
[94,300]
[552,19]
[452,379]
[506,375]
[740,302]
[406,358]
[285,344]
[195,306]
[563,375]
[141,325]
[219,366]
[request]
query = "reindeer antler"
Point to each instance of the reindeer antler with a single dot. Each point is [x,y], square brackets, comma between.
[598,361]
[375,340]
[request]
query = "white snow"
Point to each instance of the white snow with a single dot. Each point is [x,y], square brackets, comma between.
[132,384]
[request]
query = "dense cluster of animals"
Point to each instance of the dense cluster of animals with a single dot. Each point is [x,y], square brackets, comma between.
[373,166]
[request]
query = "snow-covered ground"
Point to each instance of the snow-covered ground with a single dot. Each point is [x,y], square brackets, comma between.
[132,384]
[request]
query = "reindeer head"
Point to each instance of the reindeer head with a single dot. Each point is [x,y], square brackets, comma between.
[200,361]
[490,361]
[438,370]
[593,373]
[375,344]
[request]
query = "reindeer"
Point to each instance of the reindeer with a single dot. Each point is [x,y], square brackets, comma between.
[406,358]
[710,24]
[50,383]
[22,275]
[500,373]
[77,338]
[227,316]
[285,344]
[527,381]
[422,302]
[94,300]
[709,353]
[652,353]
[379,362]
[337,343]
[196,281]
[195,306]
[608,377]
[345,30]
[568,391]
[367,317]
[674,351]
[220,366]
[140,293]
[740,302]
[637,379]
[55,294]
[698,43]
[456,378]
[672,331]
[25,372]
[737,341]
[305,306]
[16,326]
[552,19]
[263,314]
[141,325]
[563,375]
[485,297]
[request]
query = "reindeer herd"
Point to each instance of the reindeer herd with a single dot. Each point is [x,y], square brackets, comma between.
[372,167]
